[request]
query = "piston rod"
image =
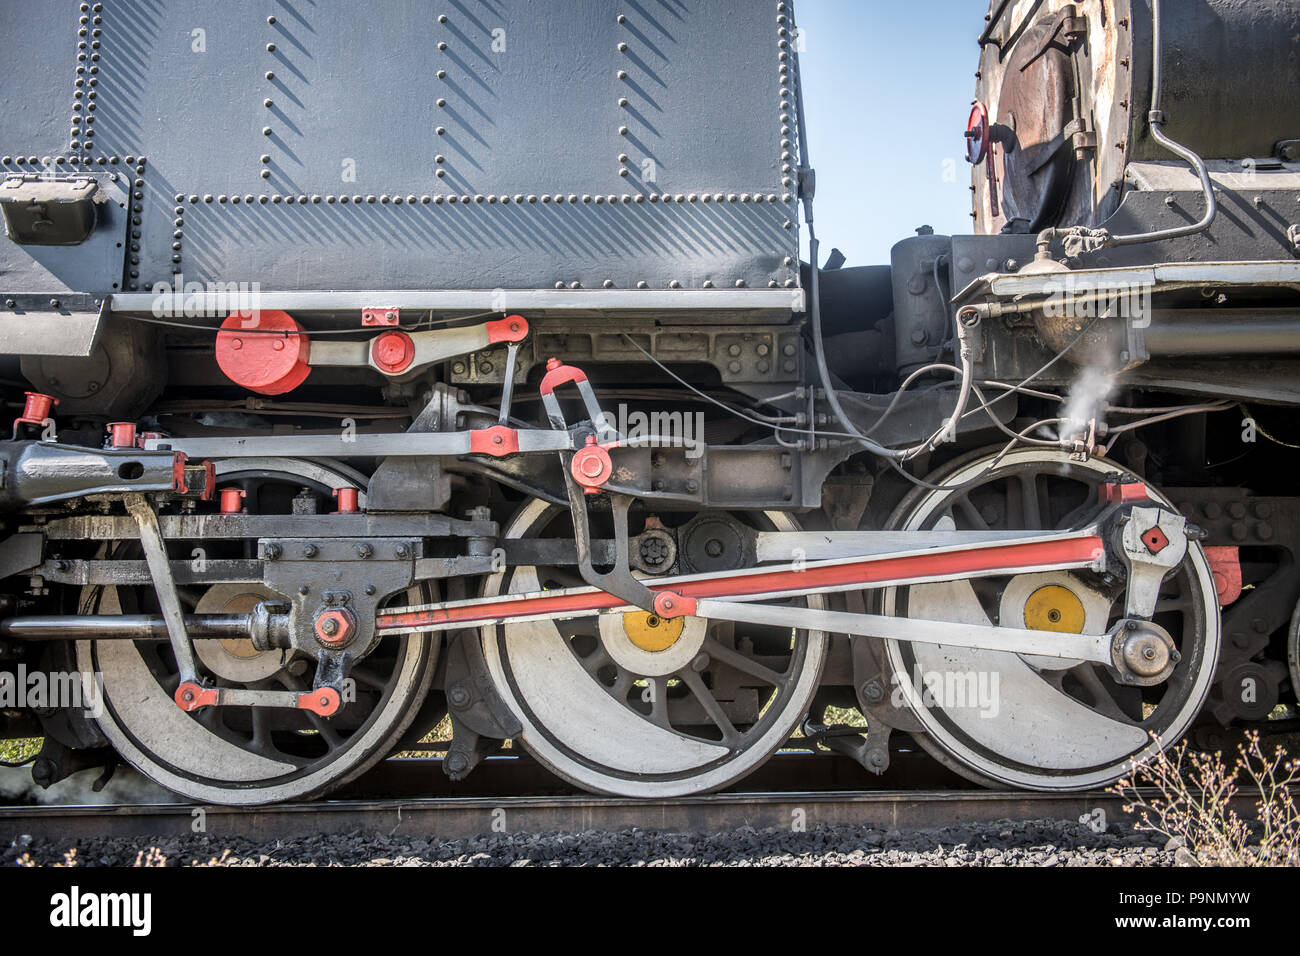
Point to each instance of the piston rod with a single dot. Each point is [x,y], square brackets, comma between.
[125,627]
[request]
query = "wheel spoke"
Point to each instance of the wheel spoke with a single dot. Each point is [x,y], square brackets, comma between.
[1030,510]
[692,680]
[659,701]
[581,626]
[622,684]
[365,676]
[971,514]
[596,660]
[1104,700]
[327,732]
[261,739]
[732,658]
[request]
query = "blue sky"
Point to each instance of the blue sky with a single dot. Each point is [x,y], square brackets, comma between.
[887,91]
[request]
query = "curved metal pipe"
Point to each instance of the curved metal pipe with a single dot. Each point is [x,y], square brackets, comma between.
[1156,119]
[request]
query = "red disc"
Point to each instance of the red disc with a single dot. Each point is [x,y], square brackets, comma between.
[252,355]
[392,352]
[977,134]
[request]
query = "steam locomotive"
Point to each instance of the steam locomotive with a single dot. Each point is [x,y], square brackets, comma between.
[453,360]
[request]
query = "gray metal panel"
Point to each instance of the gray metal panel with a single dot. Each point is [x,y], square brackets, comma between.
[93,266]
[66,334]
[215,304]
[530,103]
[37,53]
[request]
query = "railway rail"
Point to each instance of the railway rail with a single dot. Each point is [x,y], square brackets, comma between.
[412,798]
[464,817]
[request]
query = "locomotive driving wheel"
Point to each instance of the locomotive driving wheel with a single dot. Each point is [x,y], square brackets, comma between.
[1025,721]
[635,705]
[251,755]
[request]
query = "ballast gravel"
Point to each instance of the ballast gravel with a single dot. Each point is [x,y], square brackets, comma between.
[1041,843]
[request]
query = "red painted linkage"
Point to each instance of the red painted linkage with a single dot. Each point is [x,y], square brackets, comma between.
[1008,558]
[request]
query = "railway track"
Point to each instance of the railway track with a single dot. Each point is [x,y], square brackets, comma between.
[463,817]
[513,795]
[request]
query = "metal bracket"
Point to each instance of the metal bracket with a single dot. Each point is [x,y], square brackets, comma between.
[479,717]
[1152,542]
[394,352]
[316,574]
[155,553]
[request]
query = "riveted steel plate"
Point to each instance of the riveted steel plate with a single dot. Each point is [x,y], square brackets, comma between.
[93,266]
[431,144]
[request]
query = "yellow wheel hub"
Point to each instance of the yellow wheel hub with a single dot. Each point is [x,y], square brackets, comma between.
[650,632]
[1054,608]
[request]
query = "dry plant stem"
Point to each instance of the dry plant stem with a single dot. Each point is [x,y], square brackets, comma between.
[1194,793]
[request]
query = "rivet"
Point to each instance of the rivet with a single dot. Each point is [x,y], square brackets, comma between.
[270,48]
[266,131]
[441,130]
[674,284]
[622,48]
[440,102]
[442,45]
[643,284]
[621,74]
[622,131]
[608,283]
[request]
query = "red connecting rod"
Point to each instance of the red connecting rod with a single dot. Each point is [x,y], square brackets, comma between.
[1069,551]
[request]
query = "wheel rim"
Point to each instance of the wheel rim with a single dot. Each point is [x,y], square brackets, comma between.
[242,755]
[613,705]
[1034,722]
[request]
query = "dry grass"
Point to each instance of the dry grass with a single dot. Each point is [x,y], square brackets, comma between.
[20,749]
[1193,801]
